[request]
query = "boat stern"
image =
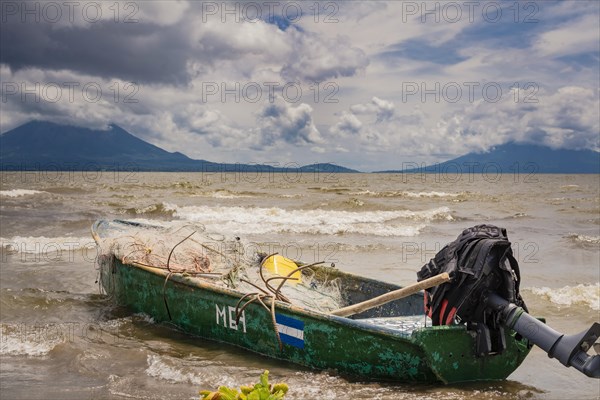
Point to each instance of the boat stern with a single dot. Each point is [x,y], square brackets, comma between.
[451,354]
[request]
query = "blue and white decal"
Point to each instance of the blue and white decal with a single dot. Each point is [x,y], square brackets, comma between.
[291,330]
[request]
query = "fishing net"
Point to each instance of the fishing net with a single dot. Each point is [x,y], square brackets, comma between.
[227,262]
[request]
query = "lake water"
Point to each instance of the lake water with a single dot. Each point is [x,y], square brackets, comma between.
[61,339]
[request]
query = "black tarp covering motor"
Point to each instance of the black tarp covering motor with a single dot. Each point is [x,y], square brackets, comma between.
[484,293]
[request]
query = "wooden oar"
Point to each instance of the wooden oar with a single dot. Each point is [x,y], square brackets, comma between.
[391,296]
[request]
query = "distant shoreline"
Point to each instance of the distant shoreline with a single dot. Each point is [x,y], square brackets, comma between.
[41,146]
[279,171]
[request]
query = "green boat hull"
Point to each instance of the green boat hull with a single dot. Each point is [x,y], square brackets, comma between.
[349,346]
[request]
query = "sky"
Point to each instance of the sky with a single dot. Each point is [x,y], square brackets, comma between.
[367,85]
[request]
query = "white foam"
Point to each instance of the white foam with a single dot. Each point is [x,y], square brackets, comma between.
[160,369]
[369,193]
[224,194]
[26,341]
[584,238]
[581,294]
[177,370]
[45,245]
[148,209]
[431,194]
[19,192]
[143,317]
[407,194]
[197,371]
[255,220]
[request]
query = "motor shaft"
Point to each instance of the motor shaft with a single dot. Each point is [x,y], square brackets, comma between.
[570,350]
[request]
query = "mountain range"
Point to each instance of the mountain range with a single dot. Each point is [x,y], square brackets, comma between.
[40,145]
[514,158]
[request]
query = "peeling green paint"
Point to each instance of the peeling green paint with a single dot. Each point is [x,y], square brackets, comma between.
[432,354]
[451,355]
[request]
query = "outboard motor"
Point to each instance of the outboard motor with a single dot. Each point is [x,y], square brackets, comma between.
[484,294]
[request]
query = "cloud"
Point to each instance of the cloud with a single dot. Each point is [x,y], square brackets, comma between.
[174,48]
[566,118]
[382,109]
[171,45]
[64,97]
[575,37]
[421,49]
[348,124]
[316,59]
[376,112]
[211,125]
[373,126]
[134,52]
[281,120]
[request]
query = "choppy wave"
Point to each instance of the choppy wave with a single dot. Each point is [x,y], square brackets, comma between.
[583,239]
[152,209]
[21,340]
[185,185]
[582,294]
[228,194]
[162,369]
[179,185]
[331,189]
[254,220]
[354,202]
[517,215]
[42,244]
[431,194]
[569,187]
[192,371]
[20,192]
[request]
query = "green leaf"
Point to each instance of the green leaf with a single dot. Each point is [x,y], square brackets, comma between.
[264,379]
[280,387]
[230,393]
[246,389]
[253,395]
[260,391]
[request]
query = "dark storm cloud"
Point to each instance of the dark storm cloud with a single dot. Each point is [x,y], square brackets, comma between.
[166,49]
[141,52]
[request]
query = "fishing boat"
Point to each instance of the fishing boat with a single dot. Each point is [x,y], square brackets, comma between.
[394,341]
